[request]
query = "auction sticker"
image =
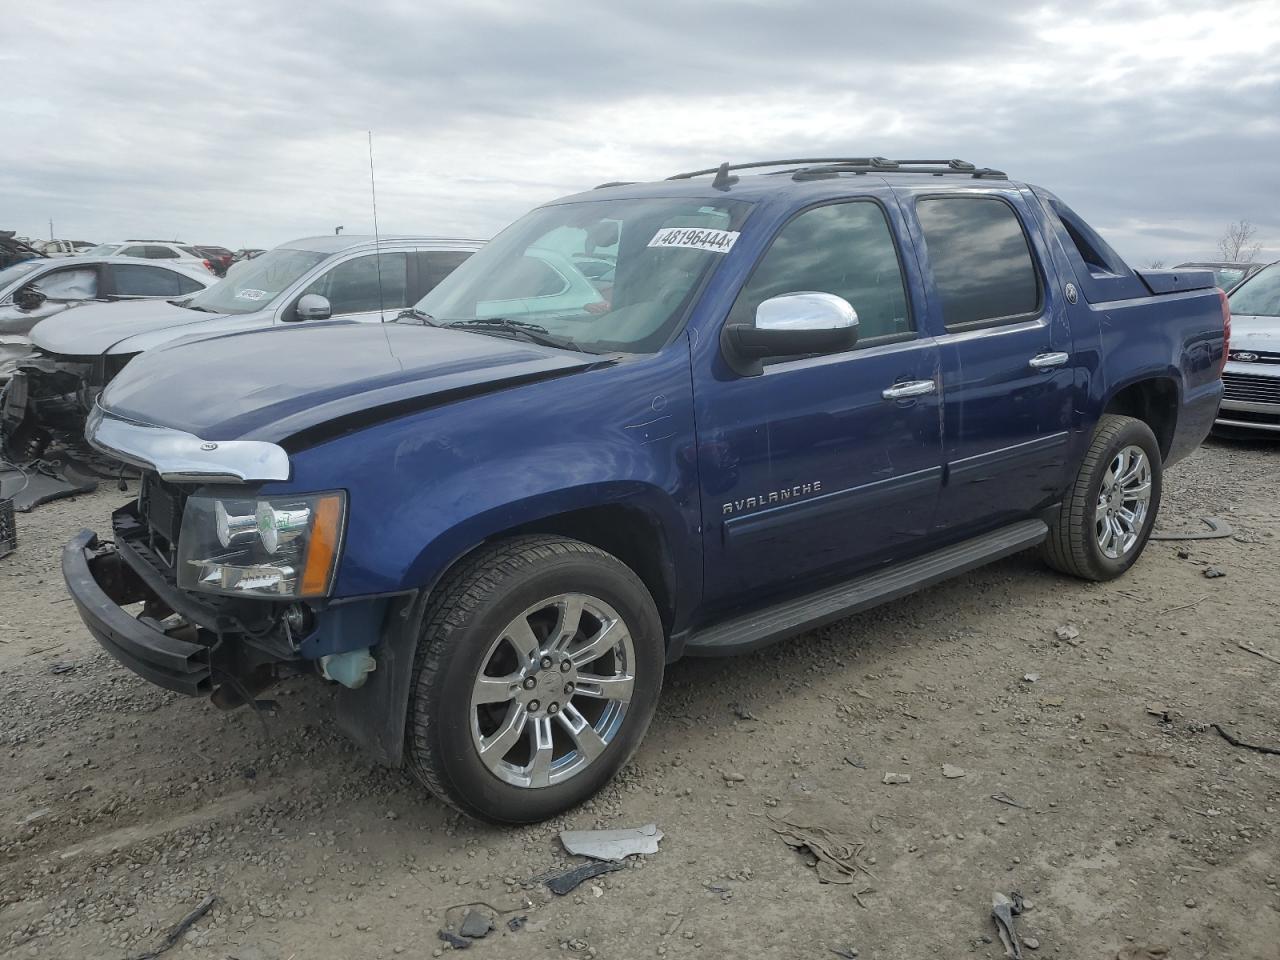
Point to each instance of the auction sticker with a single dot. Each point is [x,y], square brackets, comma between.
[717,241]
[251,294]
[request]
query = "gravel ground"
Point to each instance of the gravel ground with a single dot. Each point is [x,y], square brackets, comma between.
[1135,823]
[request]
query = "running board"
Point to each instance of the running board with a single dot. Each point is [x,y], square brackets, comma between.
[754,630]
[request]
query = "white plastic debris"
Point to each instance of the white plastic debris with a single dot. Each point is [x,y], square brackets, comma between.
[614,845]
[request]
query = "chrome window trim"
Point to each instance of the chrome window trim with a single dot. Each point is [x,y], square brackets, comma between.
[179,456]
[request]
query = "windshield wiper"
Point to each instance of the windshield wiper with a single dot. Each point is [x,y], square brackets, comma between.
[533,332]
[413,313]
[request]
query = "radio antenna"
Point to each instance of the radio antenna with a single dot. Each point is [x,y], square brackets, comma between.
[377,241]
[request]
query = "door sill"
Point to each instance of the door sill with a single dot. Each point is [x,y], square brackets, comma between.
[762,627]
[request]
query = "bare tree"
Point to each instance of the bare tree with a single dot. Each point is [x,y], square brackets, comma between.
[1155,265]
[1238,244]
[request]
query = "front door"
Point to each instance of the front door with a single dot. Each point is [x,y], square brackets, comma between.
[824,464]
[1006,356]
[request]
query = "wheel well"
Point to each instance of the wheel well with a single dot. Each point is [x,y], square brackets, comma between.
[630,535]
[1155,403]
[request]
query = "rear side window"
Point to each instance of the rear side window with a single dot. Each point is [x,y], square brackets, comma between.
[187,284]
[161,253]
[842,248]
[134,252]
[980,258]
[143,281]
[434,266]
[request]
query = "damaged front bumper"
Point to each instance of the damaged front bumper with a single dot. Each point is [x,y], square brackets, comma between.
[178,641]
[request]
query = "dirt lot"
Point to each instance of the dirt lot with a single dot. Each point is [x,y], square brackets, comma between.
[125,805]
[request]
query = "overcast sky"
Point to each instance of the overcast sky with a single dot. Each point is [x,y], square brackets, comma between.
[244,123]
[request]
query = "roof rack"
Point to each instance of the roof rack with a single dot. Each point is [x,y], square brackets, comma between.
[810,168]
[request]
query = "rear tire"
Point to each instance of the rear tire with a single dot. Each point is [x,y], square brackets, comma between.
[537,673]
[1111,507]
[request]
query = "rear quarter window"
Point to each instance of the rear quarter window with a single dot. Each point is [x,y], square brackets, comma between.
[980,259]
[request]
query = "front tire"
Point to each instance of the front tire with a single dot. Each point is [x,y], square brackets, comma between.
[537,673]
[1111,507]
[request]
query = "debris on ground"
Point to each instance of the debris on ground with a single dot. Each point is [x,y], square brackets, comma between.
[742,713]
[1185,606]
[1031,943]
[1159,710]
[612,845]
[63,666]
[570,880]
[475,925]
[1003,910]
[853,761]
[453,940]
[1056,700]
[1256,652]
[515,924]
[732,776]
[952,772]
[1006,799]
[1031,677]
[1275,751]
[1218,530]
[1211,572]
[1067,632]
[835,858]
[891,778]
[848,953]
[178,929]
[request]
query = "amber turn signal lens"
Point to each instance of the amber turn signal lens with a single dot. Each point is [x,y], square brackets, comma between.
[322,550]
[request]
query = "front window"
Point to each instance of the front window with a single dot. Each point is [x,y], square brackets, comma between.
[12,273]
[257,283]
[1259,296]
[604,275]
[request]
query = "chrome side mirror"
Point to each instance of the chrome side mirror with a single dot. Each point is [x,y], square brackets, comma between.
[790,325]
[312,306]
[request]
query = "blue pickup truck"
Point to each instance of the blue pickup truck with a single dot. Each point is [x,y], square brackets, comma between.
[689,417]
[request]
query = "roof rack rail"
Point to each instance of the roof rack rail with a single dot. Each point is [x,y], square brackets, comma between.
[817,167]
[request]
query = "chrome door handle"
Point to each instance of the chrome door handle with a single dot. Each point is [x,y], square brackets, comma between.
[912,388]
[1046,361]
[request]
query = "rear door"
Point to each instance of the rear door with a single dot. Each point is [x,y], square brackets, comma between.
[1006,356]
[139,281]
[822,465]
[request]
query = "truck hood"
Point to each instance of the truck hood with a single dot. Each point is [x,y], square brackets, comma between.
[96,326]
[321,378]
[1255,334]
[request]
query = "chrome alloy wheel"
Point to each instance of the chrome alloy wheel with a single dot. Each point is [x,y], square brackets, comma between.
[1123,501]
[553,690]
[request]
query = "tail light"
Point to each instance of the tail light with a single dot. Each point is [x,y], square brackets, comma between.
[208,265]
[1226,328]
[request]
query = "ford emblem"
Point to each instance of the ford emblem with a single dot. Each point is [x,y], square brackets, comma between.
[1244,357]
[208,446]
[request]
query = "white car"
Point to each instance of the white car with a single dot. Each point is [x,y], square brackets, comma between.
[35,289]
[153,250]
[63,248]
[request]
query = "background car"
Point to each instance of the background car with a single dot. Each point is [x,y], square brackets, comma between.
[154,250]
[1251,378]
[35,289]
[63,248]
[220,257]
[39,288]
[1226,274]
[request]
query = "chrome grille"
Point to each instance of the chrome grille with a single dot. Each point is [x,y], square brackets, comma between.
[1250,388]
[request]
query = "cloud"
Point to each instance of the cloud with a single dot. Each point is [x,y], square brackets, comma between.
[245,124]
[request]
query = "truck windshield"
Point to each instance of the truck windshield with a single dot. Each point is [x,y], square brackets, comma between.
[1259,296]
[256,284]
[604,275]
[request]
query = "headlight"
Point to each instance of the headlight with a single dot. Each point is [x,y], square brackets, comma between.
[280,547]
